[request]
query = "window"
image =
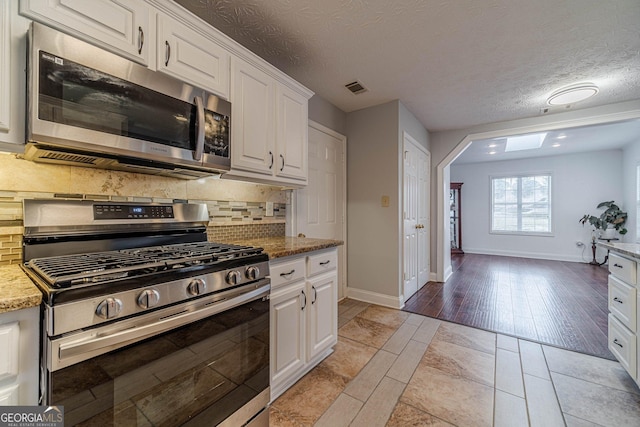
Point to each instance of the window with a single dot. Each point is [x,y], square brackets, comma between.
[521,204]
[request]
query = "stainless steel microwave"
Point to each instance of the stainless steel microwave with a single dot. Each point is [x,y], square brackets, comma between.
[89,107]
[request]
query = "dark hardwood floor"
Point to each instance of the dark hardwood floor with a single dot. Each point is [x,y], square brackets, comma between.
[563,304]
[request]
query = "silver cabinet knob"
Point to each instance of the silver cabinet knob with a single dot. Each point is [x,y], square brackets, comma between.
[109,308]
[233,277]
[196,287]
[252,272]
[148,298]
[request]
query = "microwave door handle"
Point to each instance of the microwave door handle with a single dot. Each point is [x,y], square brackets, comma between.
[197,154]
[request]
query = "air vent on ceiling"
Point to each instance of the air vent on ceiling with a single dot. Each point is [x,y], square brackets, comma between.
[356,87]
[555,108]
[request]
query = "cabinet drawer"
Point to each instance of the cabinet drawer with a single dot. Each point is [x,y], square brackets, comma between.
[623,268]
[283,273]
[622,302]
[321,262]
[622,344]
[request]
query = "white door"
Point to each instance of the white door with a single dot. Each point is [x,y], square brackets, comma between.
[416,168]
[321,205]
[424,172]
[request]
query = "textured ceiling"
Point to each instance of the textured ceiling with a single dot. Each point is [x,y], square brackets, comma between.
[453,63]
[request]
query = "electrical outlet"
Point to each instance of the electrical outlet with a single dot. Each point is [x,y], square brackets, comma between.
[384,201]
[579,244]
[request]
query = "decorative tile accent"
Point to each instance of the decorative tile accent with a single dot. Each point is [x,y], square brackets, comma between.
[10,245]
[223,211]
[225,233]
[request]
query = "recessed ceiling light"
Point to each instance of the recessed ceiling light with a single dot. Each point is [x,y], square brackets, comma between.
[492,152]
[493,145]
[572,94]
[556,145]
[561,136]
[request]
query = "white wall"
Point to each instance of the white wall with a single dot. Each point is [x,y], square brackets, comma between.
[327,114]
[579,183]
[374,169]
[631,159]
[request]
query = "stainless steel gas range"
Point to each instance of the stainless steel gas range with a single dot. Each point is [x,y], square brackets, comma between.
[144,322]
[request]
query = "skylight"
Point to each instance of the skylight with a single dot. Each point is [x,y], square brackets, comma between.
[525,142]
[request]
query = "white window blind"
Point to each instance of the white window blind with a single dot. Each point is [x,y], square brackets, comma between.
[521,204]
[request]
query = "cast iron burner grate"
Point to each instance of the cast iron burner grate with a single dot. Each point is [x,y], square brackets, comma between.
[95,267]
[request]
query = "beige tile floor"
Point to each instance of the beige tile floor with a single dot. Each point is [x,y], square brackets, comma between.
[392,368]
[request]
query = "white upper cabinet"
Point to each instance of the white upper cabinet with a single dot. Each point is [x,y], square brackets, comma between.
[191,57]
[121,26]
[292,134]
[269,128]
[5,66]
[252,119]
[13,47]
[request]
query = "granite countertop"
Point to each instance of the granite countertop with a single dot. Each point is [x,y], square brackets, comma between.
[282,246]
[629,249]
[17,291]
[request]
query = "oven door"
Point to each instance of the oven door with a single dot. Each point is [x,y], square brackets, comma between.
[198,363]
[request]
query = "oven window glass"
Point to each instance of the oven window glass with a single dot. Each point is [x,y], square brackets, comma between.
[75,95]
[200,373]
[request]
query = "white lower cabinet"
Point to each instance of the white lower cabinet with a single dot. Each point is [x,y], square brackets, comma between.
[304,315]
[19,357]
[624,322]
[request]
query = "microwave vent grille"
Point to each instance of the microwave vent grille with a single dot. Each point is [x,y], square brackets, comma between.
[67,157]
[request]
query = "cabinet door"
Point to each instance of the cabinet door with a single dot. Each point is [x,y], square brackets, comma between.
[122,25]
[5,66]
[252,120]
[322,331]
[191,57]
[292,136]
[288,310]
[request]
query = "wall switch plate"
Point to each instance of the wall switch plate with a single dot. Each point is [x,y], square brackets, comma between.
[269,209]
[384,202]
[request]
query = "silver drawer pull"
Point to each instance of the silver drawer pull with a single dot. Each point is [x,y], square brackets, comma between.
[616,299]
[288,274]
[615,341]
[326,262]
[617,265]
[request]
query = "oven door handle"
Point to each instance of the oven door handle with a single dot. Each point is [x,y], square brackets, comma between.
[92,345]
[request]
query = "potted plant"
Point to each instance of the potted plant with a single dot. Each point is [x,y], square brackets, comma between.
[613,218]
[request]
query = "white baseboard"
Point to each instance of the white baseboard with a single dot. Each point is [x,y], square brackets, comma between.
[447,273]
[534,255]
[433,277]
[375,298]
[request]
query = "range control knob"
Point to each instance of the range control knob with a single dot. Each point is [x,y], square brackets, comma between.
[252,272]
[233,277]
[109,308]
[197,287]
[148,298]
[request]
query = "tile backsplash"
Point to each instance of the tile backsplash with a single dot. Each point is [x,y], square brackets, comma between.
[236,209]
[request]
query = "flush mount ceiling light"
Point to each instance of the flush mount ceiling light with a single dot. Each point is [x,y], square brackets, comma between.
[572,94]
